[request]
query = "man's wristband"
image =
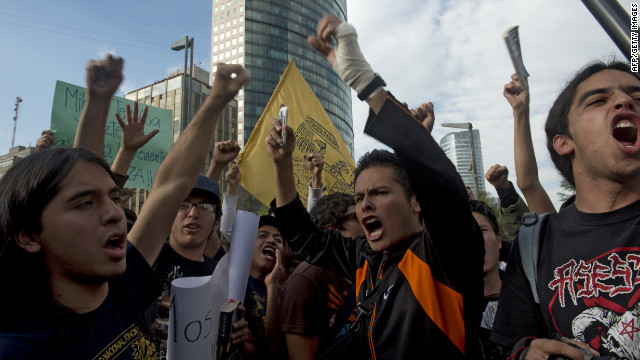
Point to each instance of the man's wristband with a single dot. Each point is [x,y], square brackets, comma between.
[374,85]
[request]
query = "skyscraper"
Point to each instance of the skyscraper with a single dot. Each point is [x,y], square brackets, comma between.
[262,35]
[457,147]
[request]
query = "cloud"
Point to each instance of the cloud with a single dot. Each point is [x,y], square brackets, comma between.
[174,68]
[452,53]
[106,49]
[127,87]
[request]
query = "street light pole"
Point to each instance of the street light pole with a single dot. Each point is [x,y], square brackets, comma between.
[190,81]
[15,120]
[615,21]
[473,160]
[469,127]
[177,46]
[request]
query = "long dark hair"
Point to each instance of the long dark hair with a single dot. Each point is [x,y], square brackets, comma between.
[26,189]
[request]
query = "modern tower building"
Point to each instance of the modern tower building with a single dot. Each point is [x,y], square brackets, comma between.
[457,147]
[263,35]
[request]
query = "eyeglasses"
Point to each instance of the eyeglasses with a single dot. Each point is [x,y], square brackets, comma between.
[204,207]
[344,219]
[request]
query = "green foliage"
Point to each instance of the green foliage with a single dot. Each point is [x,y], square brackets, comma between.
[264,210]
[494,203]
[489,200]
[567,191]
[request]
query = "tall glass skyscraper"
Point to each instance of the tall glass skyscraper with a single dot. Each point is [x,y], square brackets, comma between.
[263,35]
[457,147]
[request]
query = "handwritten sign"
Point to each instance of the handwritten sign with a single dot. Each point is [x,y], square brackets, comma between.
[69,101]
[194,313]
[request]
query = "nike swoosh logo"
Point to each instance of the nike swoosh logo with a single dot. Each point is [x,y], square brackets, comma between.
[386,293]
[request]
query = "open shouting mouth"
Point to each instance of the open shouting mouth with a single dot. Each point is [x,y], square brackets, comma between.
[372,227]
[269,252]
[625,131]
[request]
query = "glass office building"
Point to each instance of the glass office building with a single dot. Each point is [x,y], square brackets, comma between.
[167,94]
[263,36]
[457,147]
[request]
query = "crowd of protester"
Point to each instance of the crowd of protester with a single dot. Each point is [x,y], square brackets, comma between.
[408,264]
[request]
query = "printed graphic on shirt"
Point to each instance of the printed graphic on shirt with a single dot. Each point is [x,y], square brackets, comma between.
[160,326]
[133,342]
[603,294]
[489,315]
[256,317]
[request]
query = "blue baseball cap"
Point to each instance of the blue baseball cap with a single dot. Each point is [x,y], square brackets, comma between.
[208,188]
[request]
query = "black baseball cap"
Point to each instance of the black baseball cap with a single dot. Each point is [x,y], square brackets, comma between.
[269,220]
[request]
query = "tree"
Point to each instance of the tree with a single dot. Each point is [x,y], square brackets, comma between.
[489,200]
[495,206]
[567,191]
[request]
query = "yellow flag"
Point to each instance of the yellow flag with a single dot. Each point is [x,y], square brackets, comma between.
[315,133]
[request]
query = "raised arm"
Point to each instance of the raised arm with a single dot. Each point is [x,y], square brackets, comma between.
[315,164]
[233,177]
[177,173]
[281,155]
[425,114]
[229,204]
[223,153]
[45,140]
[512,207]
[133,138]
[273,281]
[524,156]
[103,78]
[346,58]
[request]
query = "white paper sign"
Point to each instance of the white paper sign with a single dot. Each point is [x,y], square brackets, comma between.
[194,313]
[243,238]
[196,301]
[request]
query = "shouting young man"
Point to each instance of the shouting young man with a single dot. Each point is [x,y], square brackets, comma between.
[414,295]
[588,275]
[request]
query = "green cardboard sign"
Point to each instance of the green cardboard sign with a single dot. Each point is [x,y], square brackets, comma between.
[68,103]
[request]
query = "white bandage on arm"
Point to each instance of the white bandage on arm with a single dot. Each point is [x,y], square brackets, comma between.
[228,214]
[314,196]
[350,64]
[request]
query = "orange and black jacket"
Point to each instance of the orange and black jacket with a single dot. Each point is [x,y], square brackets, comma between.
[430,289]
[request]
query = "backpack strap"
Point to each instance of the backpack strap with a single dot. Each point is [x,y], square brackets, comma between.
[364,308]
[529,245]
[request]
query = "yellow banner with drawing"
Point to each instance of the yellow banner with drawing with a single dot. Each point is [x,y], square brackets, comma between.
[315,133]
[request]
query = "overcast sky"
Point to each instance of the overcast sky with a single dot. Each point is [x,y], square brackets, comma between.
[452,53]
[448,52]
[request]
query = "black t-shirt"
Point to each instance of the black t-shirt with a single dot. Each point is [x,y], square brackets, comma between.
[490,350]
[169,266]
[255,303]
[115,330]
[219,254]
[588,284]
